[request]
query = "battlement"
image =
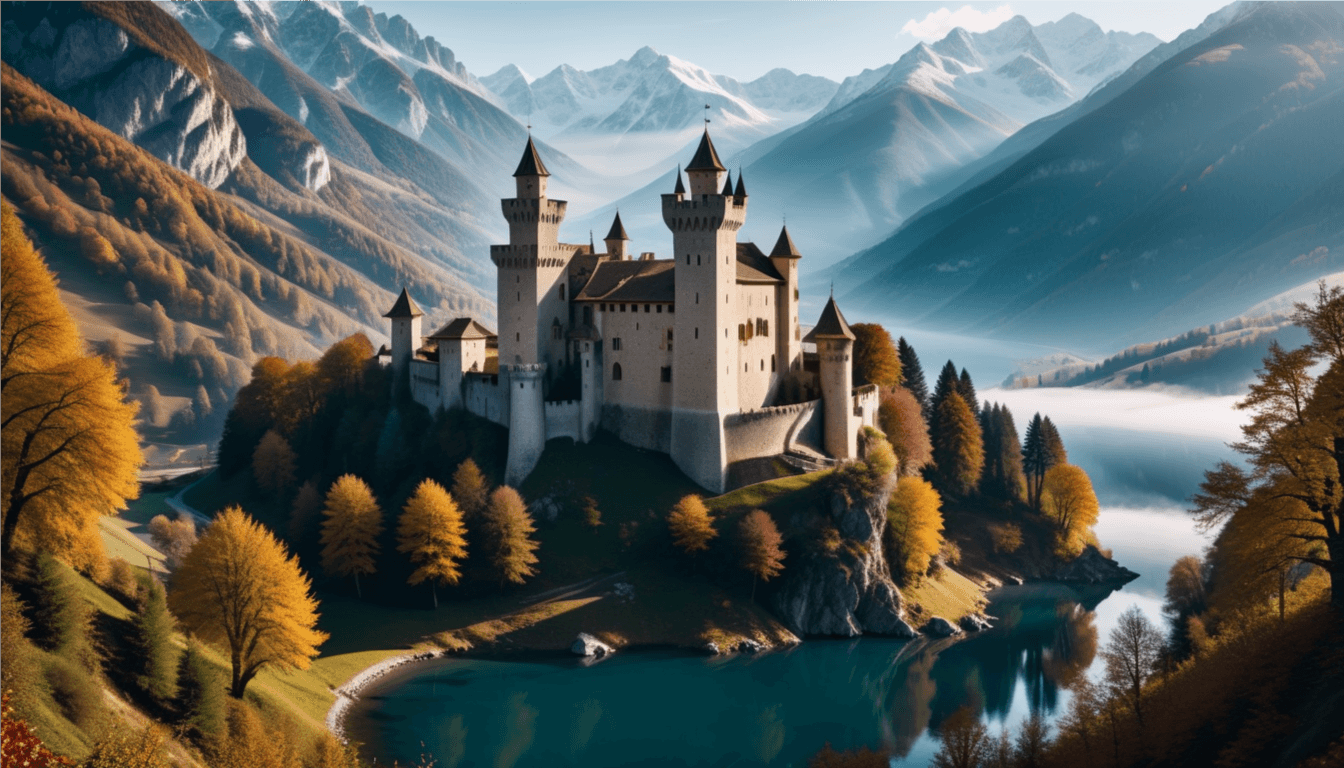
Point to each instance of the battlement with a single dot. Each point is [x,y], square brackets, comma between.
[527,370]
[533,210]
[682,212]
[530,255]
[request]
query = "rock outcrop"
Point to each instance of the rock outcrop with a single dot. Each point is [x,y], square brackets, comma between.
[940,627]
[95,66]
[587,645]
[1092,567]
[847,592]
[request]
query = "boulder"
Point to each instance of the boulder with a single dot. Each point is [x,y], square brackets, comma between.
[1092,567]
[750,646]
[712,648]
[587,645]
[975,622]
[940,627]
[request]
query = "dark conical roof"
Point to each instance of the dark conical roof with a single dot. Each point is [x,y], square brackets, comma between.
[832,324]
[531,164]
[727,184]
[617,230]
[681,188]
[741,190]
[405,307]
[706,159]
[784,245]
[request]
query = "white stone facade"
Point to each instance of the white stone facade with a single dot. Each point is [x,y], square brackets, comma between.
[687,355]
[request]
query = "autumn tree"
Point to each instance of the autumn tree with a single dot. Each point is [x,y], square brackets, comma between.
[901,417]
[141,748]
[760,542]
[240,589]
[958,448]
[1032,741]
[1131,656]
[351,529]
[174,538]
[432,533]
[508,528]
[690,524]
[875,358]
[68,447]
[155,656]
[1068,501]
[257,407]
[1186,597]
[273,464]
[914,528]
[470,489]
[965,741]
[912,373]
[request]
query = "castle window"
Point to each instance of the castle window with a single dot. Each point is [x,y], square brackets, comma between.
[602,307]
[762,363]
[688,259]
[636,326]
[646,309]
[562,291]
[697,333]
[616,344]
[671,308]
[616,372]
[667,374]
[741,332]
[660,309]
[517,337]
[588,315]
[622,307]
[772,363]
[697,297]
[697,260]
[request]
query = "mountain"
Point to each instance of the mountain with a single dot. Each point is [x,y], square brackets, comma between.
[196,227]
[1212,180]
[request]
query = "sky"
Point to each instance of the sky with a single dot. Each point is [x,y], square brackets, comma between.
[747,38]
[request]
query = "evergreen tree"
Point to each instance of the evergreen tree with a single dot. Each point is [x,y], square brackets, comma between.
[200,692]
[470,490]
[508,530]
[351,529]
[948,382]
[1039,452]
[958,448]
[431,532]
[691,526]
[967,389]
[61,621]
[1054,444]
[155,657]
[1003,454]
[760,543]
[912,374]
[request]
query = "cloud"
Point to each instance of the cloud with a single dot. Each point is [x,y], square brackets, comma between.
[937,24]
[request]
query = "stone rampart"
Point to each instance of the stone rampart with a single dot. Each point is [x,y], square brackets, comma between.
[564,419]
[767,431]
[487,396]
[425,384]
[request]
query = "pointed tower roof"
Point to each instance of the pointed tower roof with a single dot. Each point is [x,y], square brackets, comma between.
[681,188]
[727,185]
[784,245]
[405,307]
[617,230]
[741,190]
[831,324]
[531,164]
[706,159]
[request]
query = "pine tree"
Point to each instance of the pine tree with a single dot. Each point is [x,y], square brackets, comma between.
[470,490]
[155,657]
[508,533]
[691,526]
[1003,454]
[760,542]
[431,532]
[351,529]
[948,382]
[1035,460]
[958,448]
[61,620]
[200,692]
[967,390]
[912,374]
[1053,443]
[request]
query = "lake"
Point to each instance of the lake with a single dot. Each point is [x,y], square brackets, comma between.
[1146,455]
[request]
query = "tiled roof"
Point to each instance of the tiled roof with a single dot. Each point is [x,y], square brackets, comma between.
[531,164]
[617,230]
[706,159]
[831,325]
[463,328]
[753,266]
[405,307]
[631,281]
[784,246]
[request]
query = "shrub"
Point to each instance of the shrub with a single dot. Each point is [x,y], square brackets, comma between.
[139,749]
[121,581]
[77,693]
[1007,537]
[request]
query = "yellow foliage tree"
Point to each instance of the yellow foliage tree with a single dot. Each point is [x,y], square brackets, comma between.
[239,588]
[914,528]
[70,452]
[508,537]
[1068,501]
[470,489]
[762,554]
[273,464]
[432,533]
[691,526]
[350,532]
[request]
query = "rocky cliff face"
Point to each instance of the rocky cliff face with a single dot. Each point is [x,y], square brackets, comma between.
[160,104]
[847,592]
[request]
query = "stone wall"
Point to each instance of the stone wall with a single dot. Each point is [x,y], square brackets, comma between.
[487,396]
[649,428]
[865,404]
[425,384]
[564,419]
[767,431]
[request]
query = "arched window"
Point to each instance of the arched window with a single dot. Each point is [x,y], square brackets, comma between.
[616,372]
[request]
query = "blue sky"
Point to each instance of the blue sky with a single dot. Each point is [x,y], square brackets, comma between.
[743,40]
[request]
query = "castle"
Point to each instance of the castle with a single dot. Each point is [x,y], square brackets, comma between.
[642,346]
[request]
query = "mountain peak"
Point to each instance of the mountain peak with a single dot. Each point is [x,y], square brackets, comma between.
[645,56]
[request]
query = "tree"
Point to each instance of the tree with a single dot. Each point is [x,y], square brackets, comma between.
[200,693]
[875,358]
[508,529]
[258,407]
[470,489]
[18,666]
[1186,593]
[1032,741]
[304,513]
[691,526]
[1131,657]
[143,748]
[966,741]
[914,528]
[1003,475]
[1068,501]
[900,416]
[760,542]
[958,449]
[20,745]
[1041,450]
[273,464]
[239,588]
[68,447]
[1053,443]
[351,529]
[432,533]
[947,383]
[61,620]
[912,374]
[966,388]
[155,655]
[174,538]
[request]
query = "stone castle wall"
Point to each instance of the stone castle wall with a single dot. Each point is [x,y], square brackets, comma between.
[770,431]
[564,419]
[425,384]
[487,396]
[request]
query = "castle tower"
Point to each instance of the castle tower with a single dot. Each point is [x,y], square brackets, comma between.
[405,317]
[835,348]
[461,344]
[704,228]
[618,242]
[527,421]
[531,270]
[785,257]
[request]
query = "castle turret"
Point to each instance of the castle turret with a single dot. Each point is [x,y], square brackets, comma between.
[785,257]
[405,317]
[835,348]
[527,422]
[618,242]
[461,345]
[705,169]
